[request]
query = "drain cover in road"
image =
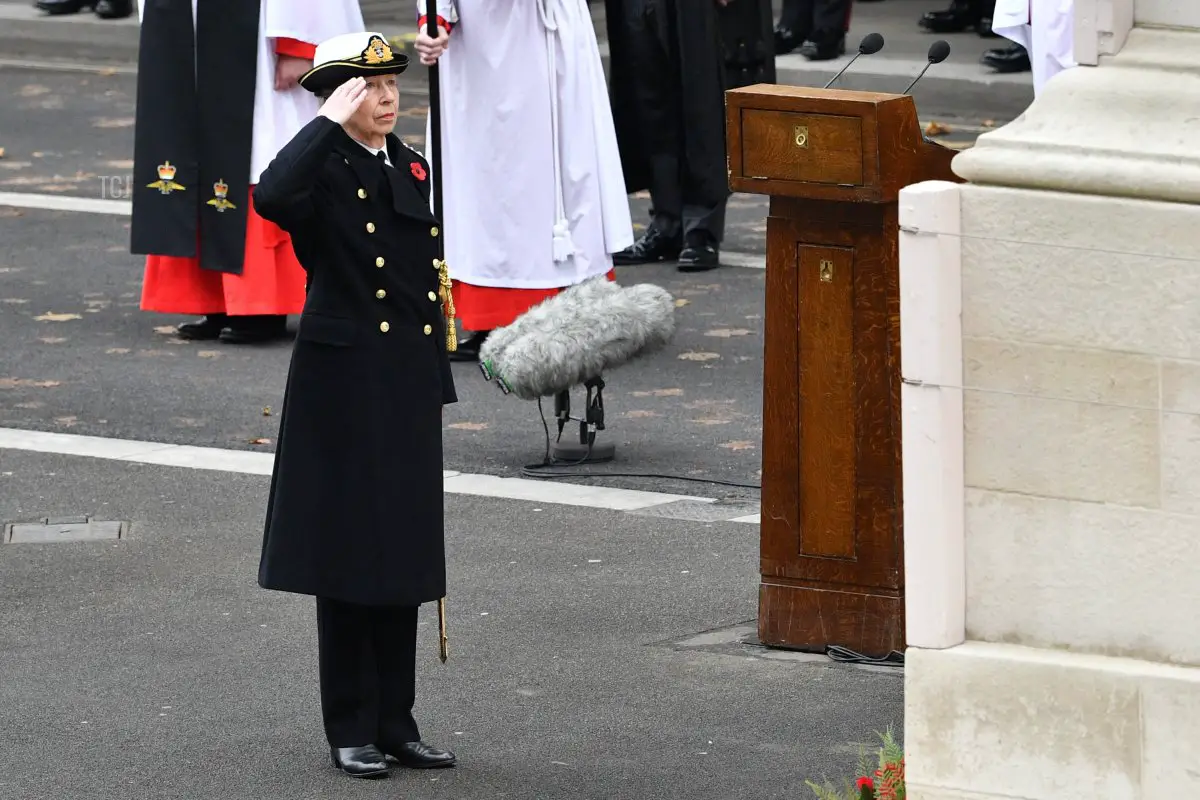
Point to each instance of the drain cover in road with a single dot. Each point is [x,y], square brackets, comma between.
[63,529]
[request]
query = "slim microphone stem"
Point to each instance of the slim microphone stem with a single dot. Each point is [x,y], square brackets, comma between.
[914,83]
[843,69]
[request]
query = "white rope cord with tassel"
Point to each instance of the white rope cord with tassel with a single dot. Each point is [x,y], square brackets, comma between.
[563,246]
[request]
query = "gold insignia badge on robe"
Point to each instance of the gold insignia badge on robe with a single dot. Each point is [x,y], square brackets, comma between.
[221,190]
[378,51]
[166,179]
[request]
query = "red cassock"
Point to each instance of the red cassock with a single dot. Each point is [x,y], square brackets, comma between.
[272,280]
[485,308]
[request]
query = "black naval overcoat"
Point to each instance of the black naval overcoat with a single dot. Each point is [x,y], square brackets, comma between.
[355,510]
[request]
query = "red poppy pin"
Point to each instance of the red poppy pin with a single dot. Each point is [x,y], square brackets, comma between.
[417,170]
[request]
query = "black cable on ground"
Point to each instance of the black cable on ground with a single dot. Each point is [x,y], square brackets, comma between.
[847,656]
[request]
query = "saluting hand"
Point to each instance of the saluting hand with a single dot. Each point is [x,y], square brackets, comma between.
[431,49]
[345,100]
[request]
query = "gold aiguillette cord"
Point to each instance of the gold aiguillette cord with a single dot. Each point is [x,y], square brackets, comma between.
[444,646]
[448,305]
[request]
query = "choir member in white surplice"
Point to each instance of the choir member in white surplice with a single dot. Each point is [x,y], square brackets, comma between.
[534,196]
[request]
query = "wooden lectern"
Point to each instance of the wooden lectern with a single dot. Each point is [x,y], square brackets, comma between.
[833,163]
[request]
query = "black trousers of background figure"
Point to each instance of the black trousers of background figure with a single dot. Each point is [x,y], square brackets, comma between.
[654,45]
[368,673]
[816,20]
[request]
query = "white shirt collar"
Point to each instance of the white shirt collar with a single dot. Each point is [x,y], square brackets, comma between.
[375,151]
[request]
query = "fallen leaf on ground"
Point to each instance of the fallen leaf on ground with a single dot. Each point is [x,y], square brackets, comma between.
[468,426]
[52,340]
[267,411]
[13,383]
[32,404]
[260,441]
[113,122]
[67,421]
[937,129]
[165,330]
[639,414]
[115,351]
[107,71]
[737,445]
[681,302]
[33,90]
[711,421]
[55,317]
[725,333]
[693,356]
[659,393]
[208,353]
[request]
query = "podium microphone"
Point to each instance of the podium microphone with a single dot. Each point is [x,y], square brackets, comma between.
[871,43]
[937,54]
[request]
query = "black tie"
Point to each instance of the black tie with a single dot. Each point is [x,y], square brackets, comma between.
[382,156]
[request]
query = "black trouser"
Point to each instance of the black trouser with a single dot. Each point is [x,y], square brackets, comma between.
[654,47]
[820,21]
[368,673]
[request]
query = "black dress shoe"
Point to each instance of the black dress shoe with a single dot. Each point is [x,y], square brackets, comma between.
[254,329]
[699,257]
[468,348]
[653,246]
[984,29]
[359,762]
[205,328]
[114,9]
[824,49]
[1008,59]
[960,16]
[418,755]
[787,40]
[64,6]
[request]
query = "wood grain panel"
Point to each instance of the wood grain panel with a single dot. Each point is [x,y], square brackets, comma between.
[808,618]
[833,151]
[828,437]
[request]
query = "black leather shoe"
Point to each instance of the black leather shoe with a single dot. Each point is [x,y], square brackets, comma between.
[359,762]
[64,6]
[653,246]
[960,16]
[204,328]
[787,40]
[468,348]
[826,49]
[114,9]
[699,258]
[418,755]
[1008,59]
[253,330]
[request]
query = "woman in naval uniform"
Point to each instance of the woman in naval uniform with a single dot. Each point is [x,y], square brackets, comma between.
[355,510]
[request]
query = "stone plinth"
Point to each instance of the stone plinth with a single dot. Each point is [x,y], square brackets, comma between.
[1051,397]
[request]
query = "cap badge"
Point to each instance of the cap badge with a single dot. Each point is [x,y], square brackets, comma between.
[377,51]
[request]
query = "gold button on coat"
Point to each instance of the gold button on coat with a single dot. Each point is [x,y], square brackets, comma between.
[380,293]
[370,227]
[383,326]
[433,231]
[436,263]
[428,329]
[379,261]
[432,296]
[362,193]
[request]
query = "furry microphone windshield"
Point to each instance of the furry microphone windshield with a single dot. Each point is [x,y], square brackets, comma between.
[576,335]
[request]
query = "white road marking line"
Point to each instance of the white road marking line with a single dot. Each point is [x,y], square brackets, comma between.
[251,463]
[59,202]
